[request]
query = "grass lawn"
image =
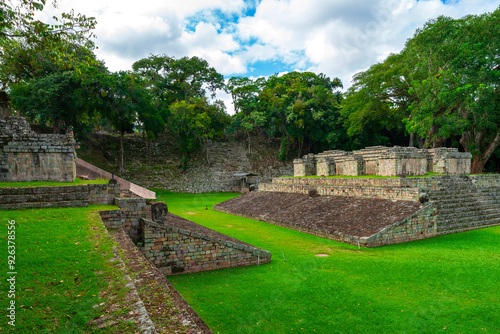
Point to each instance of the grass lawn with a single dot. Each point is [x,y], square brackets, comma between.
[63,271]
[448,284]
[77,182]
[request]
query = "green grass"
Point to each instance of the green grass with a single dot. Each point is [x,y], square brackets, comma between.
[63,270]
[77,182]
[448,284]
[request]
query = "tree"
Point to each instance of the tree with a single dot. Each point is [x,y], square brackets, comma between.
[302,107]
[125,99]
[377,102]
[61,98]
[443,86]
[459,93]
[244,92]
[172,80]
[193,122]
[27,42]
[179,89]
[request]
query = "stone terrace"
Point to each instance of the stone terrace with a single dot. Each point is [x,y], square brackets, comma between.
[384,161]
[365,210]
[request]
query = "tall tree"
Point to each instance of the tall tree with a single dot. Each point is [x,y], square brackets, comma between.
[193,122]
[302,107]
[459,93]
[244,92]
[172,80]
[125,98]
[443,86]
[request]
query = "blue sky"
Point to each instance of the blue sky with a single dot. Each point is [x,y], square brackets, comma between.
[262,37]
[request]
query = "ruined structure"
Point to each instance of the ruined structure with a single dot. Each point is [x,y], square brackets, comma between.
[28,156]
[384,161]
[375,211]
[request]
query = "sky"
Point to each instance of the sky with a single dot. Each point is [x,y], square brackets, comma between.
[255,38]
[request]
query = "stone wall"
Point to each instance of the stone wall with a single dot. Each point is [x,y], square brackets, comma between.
[420,225]
[175,250]
[394,193]
[15,198]
[454,203]
[384,161]
[132,210]
[27,156]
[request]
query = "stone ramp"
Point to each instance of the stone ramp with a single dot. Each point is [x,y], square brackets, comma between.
[325,216]
[179,246]
[91,172]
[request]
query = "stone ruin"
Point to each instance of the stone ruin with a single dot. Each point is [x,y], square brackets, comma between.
[28,156]
[384,161]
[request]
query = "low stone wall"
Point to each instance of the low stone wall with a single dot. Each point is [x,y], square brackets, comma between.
[175,250]
[15,198]
[27,156]
[404,194]
[420,225]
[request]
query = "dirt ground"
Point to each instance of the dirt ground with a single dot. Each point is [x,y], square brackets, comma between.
[360,217]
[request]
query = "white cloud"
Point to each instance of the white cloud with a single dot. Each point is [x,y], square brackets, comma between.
[336,37]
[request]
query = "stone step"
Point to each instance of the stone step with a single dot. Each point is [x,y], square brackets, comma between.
[35,205]
[477,217]
[479,214]
[465,224]
[472,204]
[466,194]
[465,209]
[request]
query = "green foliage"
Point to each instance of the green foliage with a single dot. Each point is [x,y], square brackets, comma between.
[301,108]
[419,287]
[443,87]
[193,122]
[29,45]
[61,98]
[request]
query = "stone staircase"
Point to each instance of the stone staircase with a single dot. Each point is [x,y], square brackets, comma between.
[43,197]
[462,206]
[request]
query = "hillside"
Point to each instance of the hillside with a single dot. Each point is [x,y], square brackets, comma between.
[209,170]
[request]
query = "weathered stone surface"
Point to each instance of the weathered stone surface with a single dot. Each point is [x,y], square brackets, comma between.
[384,161]
[452,204]
[27,156]
[159,211]
[14,198]
[180,246]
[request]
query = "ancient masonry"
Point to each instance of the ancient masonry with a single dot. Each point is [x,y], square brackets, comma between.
[432,206]
[176,245]
[384,161]
[27,156]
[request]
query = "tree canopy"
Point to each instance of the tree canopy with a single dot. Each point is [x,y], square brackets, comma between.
[443,86]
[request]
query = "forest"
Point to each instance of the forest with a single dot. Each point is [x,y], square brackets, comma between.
[440,90]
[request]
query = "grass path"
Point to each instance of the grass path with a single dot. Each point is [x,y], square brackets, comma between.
[449,284]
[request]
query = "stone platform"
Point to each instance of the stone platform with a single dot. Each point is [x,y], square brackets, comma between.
[375,211]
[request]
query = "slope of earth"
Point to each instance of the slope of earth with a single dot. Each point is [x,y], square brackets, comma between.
[360,217]
[210,169]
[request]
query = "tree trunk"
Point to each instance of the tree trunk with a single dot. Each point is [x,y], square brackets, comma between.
[412,139]
[57,126]
[480,160]
[122,170]
[248,135]
[148,143]
[477,165]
